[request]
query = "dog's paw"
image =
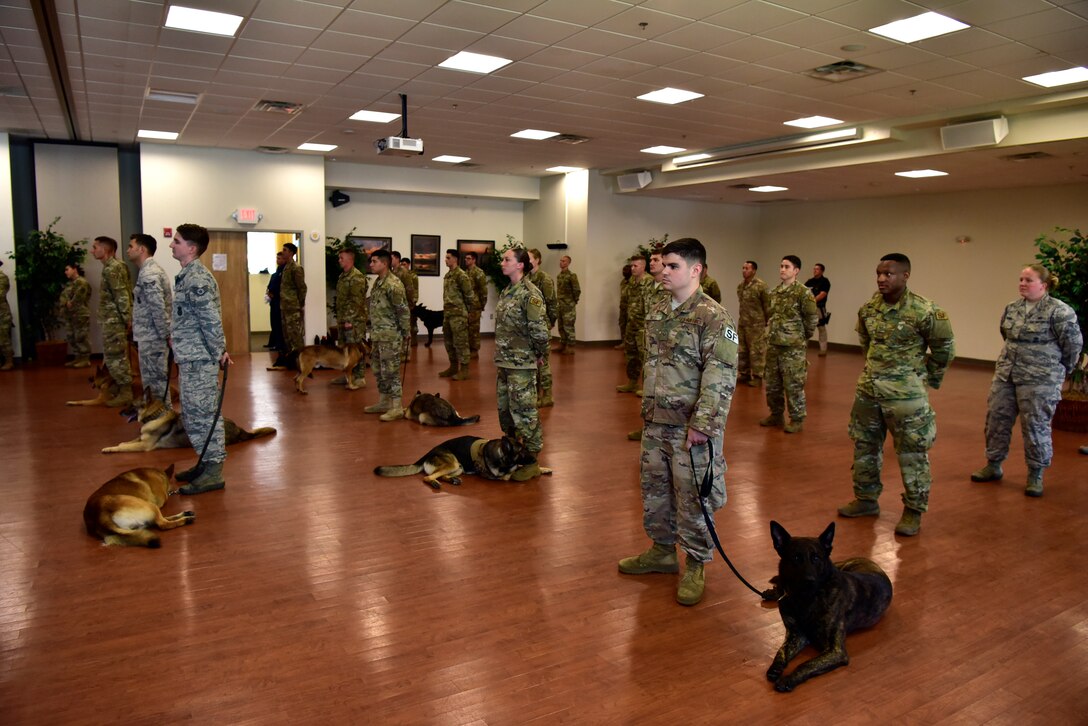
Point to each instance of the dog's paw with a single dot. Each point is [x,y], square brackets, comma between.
[544,470]
[784,685]
[432,484]
[773,674]
[456,481]
[188,513]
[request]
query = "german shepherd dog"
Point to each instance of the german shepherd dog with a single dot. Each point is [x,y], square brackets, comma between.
[430,409]
[121,510]
[329,356]
[820,602]
[162,428]
[107,388]
[489,458]
[431,319]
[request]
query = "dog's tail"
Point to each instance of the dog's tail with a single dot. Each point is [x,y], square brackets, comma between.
[400,469]
[458,421]
[134,538]
[257,433]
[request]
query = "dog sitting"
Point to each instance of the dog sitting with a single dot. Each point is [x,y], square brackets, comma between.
[345,359]
[498,459]
[431,319]
[162,428]
[430,409]
[121,510]
[820,602]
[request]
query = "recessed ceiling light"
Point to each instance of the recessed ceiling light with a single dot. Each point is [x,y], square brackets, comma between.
[663,150]
[451,159]
[920,27]
[690,158]
[378,117]
[316,147]
[564,169]
[534,134]
[768,188]
[669,96]
[202,21]
[921,173]
[1059,78]
[813,122]
[165,135]
[474,62]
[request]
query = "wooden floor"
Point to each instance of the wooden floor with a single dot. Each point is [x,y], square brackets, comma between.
[311,591]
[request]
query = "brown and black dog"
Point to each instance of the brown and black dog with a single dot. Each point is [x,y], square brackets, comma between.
[329,356]
[820,602]
[121,510]
[107,388]
[163,428]
[489,458]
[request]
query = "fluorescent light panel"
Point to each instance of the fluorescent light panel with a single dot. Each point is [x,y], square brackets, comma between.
[1059,78]
[474,62]
[164,135]
[565,169]
[152,94]
[670,96]
[316,147]
[920,27]
[377,117]
[663,150]
[202,21]
[449,159]
[690,158]
[768,188]
[813,122]
[534,134]
[921,173]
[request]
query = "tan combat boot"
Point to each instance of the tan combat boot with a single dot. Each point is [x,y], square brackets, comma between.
[659,558]
[462,373]
[123,398]
[210,480]
[991,472]
[380,407]
[395,411]
[794,427]
[692,582]
[629,387]
[81,363]
[775,419]
[544,400]
[1035,483]
[860,508]
[909,523]
[449,371]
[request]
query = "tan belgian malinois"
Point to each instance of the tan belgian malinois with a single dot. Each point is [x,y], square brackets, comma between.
[121,510]
[329,356]
[162,428]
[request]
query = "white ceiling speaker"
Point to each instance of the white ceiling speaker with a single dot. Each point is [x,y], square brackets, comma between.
[634,182]
[977,133]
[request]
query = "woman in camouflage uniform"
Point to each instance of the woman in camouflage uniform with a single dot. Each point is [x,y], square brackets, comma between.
[1042,344]
[75,306]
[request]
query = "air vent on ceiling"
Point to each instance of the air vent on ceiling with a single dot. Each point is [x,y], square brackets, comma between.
[285,107]
[1028,156]
[154,94]
[842,71]
[570,139]
[273,149]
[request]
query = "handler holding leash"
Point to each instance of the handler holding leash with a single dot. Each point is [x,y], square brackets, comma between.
[689,378]
[200,349]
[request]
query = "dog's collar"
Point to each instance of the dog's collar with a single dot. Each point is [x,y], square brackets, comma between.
[476,451]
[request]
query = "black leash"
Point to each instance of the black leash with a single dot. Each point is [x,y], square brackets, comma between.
[169,360]
[703,490]
[199,468]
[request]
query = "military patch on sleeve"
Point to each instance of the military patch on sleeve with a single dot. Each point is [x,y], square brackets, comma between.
[940,314]
[731,335]
[537,301]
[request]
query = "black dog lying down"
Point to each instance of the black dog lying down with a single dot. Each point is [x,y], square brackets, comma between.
[431,319]
[820,602]
[501,459]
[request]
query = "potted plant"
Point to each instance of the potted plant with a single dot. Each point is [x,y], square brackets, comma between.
[39,269]
[1065,253]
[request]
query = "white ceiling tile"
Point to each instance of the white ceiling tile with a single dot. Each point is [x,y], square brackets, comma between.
[382,67]
[694,9]
[437,36]
[112,30]
[1068,44]
[899,56]
[312,73]
[293,12]
[330,59]
[410,9]
[471,16]
[937,68]
[260,30]
[562,58]
[254,66]
[345,43]
[707,64]
[865,14]
[613,68]
[370,25]
[537,30]
[700,36]
[580,12]
[807,31]
[653,52]
[191,77]
[505,47]
[598,41]
[139,13]
[983,82]
[529,72]
[259,50]
[977,12]
[752,49]
[170,38]
[629,22]
[499,84]
[798,60]
[187,57]
[754,17]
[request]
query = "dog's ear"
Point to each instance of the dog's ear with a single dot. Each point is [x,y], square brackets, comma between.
[779,536]
[827,536]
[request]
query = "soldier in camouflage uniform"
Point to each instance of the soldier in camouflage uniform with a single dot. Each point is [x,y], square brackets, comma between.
[402,267]
[1042,345]
[114,317]
[543,282]
[907,343]
[351,289]
[292,302]
[479,286]
[568,292]
[7,351]
[689,381]
[458,299]
[200,349]
[792,323]
[624,283]
[755,311]
[521,344]
[152,302]
[75,306]
[634,334]
[710,286]
[389,320]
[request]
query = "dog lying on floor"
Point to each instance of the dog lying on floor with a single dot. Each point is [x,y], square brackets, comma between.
[431,319]
[108,388]
[345,359]
[430,409]
[820,602]
[121,510]
[497,459]
[162,428]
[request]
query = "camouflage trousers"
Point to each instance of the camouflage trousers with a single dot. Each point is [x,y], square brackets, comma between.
[79,336]
[752,351]
[154,370]
[544,374]
[455,337]
[293,333]
[568,314]
[670,489]
[516,393]
[355,334]
[474,331]
[914,428]
[199,384]
[385,360]
[115,353]
[7,352]
[634,351]
[784,376]
[1035,405]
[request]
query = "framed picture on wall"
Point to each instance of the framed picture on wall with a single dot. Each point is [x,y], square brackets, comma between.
[369,243]
[425,251]
[484,248]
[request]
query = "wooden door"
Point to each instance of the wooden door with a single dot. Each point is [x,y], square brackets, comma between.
[233,286]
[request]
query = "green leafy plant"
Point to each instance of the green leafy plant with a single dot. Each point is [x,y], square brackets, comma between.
[333,245]
[652,245]
[40,259]
[1064,252]
[491,264]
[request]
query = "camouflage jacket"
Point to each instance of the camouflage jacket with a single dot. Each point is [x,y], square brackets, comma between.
[115,297]
[567,289]
[389,314]
[793,315]
[625,286]
[457,292]
[410,281]
[906,346]
[755,303]
[77,292]
[196,330]
[292,287]
[351,289]
[543,282]
[691,364]
[151,304]
[710,287]
[521,327]
[5,285]
[639,295]
[479,286]
[1041,345]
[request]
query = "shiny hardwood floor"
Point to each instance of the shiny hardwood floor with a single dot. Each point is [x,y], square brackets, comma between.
[311,591]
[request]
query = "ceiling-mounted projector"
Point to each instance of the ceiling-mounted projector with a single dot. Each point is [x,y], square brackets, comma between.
[399,146]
